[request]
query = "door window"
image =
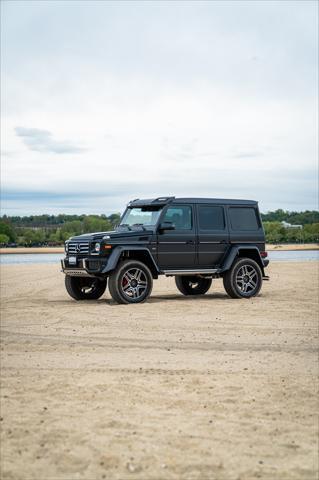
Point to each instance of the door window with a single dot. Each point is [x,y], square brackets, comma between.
[211,218]
[180,216]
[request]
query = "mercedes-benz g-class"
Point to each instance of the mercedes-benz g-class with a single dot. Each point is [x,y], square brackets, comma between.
[192,239]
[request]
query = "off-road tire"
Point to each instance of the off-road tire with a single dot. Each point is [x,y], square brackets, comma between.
[235,283]
[192,284]
[85,288]
[131,282]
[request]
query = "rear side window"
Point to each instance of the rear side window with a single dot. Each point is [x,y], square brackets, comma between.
[180,216]
[244,218]
[211,218]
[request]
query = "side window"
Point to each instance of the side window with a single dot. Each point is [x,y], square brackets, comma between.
[180,216]
[211,218]
[244,218]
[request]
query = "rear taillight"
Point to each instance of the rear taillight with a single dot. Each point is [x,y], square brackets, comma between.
[264,254]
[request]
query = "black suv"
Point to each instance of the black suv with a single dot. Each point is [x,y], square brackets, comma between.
[192,239]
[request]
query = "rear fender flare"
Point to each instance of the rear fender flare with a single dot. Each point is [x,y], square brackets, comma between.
[235,252]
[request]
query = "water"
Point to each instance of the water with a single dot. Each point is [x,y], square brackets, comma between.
[293,255]
[18,258]
[274,256]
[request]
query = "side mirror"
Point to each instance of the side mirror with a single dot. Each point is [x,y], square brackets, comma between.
[166,226]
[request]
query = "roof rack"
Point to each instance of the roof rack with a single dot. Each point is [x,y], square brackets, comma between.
[163,199]
[150,201]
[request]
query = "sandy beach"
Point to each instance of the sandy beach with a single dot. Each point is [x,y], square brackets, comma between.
[176,388]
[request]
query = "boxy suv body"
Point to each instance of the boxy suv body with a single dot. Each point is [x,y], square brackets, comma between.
[193,239]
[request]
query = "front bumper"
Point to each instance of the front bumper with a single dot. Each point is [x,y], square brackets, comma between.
[84,267]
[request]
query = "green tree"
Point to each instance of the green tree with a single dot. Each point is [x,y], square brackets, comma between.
[55,236]
[33,236]
[114,219]
[274,232]
[75,227]
[311,233]
[21,240]
[4,238]
[7,229]
[93,223]
[64,235]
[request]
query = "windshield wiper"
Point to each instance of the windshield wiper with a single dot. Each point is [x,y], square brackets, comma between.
[139,225]
[125,225]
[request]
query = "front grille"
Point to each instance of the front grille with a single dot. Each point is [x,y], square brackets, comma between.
[78,248]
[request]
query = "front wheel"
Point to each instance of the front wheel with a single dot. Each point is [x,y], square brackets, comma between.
[131,282]
[85,288]
[192,285]
[244,279]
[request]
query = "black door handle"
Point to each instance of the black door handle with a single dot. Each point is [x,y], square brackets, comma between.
[189,242]
[223,241]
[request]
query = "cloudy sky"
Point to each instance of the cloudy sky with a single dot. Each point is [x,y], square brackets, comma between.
[107,101]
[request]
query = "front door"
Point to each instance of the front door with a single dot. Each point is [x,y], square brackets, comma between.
[213,237]
[177,248]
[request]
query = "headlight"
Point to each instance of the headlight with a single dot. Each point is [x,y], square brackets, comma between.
[66,247]
[97,247]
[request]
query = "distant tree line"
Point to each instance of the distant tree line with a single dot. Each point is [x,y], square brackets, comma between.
[295,218]
[34,230]
[277,233]
[51,230]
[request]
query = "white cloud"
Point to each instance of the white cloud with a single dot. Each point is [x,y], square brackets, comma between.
[186,99]
[42,141]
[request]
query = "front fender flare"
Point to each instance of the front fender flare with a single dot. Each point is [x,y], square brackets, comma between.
[117,252]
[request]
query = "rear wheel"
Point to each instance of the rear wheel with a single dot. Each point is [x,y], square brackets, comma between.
[244,279]
[192,285]
[131,282]
[85,288]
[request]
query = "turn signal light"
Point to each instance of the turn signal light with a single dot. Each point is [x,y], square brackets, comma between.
[107,247]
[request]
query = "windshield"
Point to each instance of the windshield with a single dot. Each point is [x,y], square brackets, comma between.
[141,216]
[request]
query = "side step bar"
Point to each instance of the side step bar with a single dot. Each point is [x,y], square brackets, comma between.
[196,271]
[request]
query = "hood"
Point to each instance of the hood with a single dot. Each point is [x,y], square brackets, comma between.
[119,234]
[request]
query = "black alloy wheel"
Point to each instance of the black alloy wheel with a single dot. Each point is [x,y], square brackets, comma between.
[244,279]
[131,282]
[85,288]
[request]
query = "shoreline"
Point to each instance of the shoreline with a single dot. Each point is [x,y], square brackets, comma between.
[285,247]
[279,247]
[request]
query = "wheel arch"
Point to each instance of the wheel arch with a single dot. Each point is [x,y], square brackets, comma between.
[130,252]
[238,251]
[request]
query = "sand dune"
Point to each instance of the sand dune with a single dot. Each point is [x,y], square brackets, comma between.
[175,388]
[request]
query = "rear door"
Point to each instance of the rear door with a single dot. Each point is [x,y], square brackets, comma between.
[176,248]
[213,236]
